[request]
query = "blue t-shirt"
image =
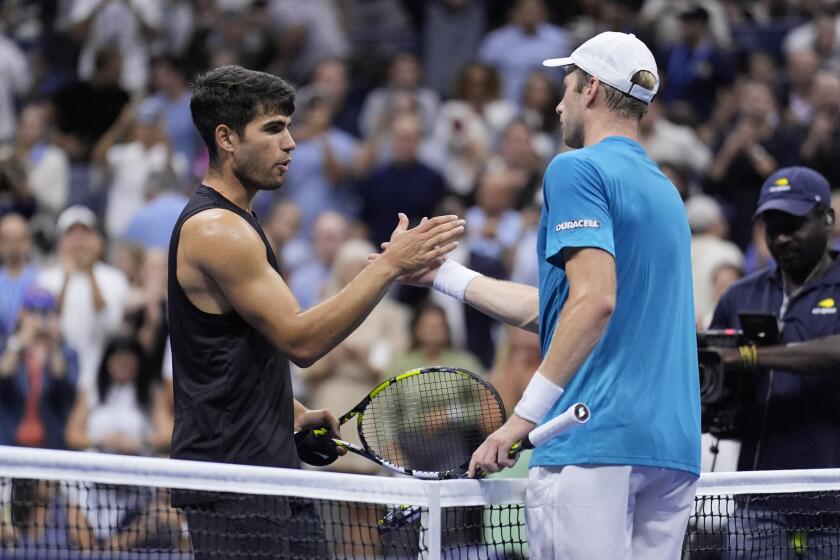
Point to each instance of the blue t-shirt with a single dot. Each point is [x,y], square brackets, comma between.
[641,380]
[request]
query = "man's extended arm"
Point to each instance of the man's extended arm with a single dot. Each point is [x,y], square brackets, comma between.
[820,356]
[509,302]
[225,248]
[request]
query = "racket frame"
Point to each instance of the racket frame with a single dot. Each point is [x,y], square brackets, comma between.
[359,410]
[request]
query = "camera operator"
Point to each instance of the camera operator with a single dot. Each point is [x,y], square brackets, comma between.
[796,423]
[792,417]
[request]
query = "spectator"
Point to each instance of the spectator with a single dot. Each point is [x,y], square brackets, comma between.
[800,69]
[17,273]
[145,313]
[282,228]
[709,252]
[521,156]
[331,81]
[91,294]
[152,224]
[468,125]
[662,18]
[343,377]
[494,227]
[320,177]
[696,68]
[525,269]
[678,145]
[15,196]
[404,185]
[47,165]
[43,517]
[134,148]
[173,97]
[329,233]
[755,145]
[452,31]
[126,414]
[377,31]
[520,46]
[431,344]
[539,107]
[405,76]
[14,82]
[127,24]
[309,32]
[795,378]
[822,141]
[38,373]
[821,34]
[519,357]
[85,110]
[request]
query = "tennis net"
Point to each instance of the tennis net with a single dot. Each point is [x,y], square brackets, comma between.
[69,505]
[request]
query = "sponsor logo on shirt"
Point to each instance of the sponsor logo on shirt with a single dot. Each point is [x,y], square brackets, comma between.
[826,307]
[575,224]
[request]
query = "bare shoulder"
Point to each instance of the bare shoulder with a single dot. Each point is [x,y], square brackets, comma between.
[220,242]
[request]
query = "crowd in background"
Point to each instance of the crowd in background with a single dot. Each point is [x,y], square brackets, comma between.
[403,106]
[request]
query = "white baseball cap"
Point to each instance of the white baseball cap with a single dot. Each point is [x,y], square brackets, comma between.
[614,58]
[76,214]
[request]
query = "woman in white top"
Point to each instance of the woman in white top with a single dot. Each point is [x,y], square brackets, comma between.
[128,413]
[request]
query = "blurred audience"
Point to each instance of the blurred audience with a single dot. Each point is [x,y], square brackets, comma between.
[308,280]
[431,344]
[469,124]
[127,412]
[90,293]
[38,374]
[404,185]
[522,44]
[17,273]
[709,252]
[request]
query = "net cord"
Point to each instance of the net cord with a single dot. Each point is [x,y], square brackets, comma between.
[43,464]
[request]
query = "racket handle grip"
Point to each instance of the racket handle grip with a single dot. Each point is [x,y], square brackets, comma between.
[575,415]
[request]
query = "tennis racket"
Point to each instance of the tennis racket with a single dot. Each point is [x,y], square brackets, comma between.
[575,415]
[424,423]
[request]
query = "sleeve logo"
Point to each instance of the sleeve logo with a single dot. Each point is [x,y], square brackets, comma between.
[575,224]
[825,307]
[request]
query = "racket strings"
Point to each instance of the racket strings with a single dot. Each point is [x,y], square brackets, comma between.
[431,421]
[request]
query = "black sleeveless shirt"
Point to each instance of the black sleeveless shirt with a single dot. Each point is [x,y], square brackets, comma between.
[233,394]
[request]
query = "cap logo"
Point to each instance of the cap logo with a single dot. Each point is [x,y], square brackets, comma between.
[826,303]
[781,181]
[779,188]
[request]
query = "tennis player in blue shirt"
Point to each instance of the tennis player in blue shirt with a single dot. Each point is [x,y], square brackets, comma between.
[615,315]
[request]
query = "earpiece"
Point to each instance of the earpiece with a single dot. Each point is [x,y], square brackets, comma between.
[829,219]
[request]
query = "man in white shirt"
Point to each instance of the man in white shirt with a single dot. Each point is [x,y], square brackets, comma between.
[91,294]
[129,24]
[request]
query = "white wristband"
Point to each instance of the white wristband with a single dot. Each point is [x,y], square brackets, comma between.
[453,278]
[538,398]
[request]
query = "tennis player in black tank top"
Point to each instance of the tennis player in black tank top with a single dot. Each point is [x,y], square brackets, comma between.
[235,325]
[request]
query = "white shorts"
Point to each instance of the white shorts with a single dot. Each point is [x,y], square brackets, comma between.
[582,512]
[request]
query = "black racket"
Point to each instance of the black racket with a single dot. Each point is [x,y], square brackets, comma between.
[425,422]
